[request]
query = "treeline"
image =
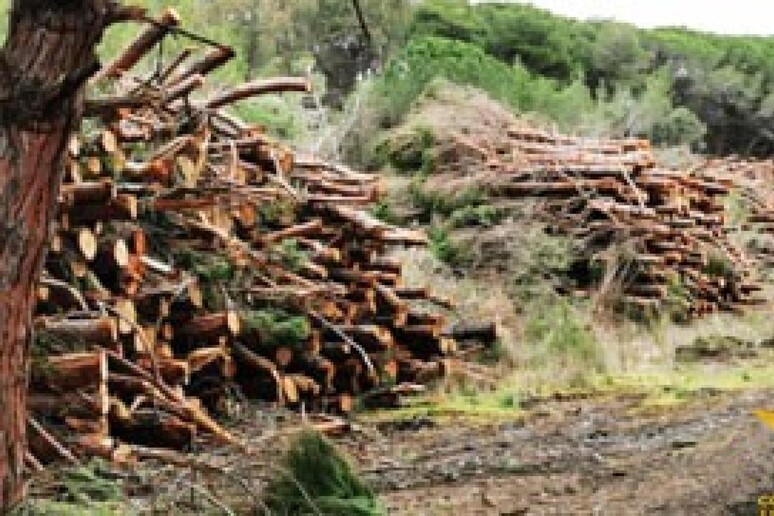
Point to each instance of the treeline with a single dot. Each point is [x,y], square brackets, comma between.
[673,85]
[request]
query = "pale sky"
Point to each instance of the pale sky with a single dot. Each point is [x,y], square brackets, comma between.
[722,16]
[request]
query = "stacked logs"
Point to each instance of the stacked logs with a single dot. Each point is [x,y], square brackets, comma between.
[753,204]
[669,225]
[195,260]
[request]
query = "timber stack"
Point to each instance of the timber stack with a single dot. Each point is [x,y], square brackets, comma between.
[669,227]
[195,259]
[752,204]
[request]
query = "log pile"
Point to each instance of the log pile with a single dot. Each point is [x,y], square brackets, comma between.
[194,259]
[669,226]
[752,204]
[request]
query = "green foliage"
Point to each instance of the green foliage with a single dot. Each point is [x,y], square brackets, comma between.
[426,58]
[317,479]
[680,127]
[383,211]
[475,215]
[209,267]
[718,265]
[289,254]
[410,151]
[276,212]
[275,327]
[430,202]
[541,257]
[275,113]
[616,54]
[715,88]
[547,44]
[445,249]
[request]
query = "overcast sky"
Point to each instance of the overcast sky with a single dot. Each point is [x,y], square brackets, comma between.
[723,16]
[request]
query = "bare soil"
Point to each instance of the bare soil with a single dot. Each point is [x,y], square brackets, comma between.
[582,456]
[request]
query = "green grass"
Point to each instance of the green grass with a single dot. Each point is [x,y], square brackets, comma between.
[668,389]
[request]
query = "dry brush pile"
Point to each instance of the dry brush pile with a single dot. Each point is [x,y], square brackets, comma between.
[195,259]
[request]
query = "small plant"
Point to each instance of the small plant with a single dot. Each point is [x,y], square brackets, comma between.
[209,267]
[442,204]
[718,265]
[409,152]
[481,215]
[275,327]
[317,479]
[382,210]
[289,254]
[445,249]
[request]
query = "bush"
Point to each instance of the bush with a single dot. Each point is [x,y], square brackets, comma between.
[411,151]
[317,479]
[680,127]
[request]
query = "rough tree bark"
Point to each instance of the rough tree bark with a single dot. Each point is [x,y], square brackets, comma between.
[44,64]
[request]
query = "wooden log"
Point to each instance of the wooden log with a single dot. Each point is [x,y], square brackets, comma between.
[122,207]
[154,428]
[144,42]
[486,332]
[184,88]
[126,315]
[259,87]
[71,372]
[88,192]
[172,371]
[210,326]
[214,58]
[257,363]
[101,331]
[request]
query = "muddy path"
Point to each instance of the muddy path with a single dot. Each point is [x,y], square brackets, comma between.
[583,456]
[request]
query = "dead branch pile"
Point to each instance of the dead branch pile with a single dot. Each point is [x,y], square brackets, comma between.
[668,227]
[194,258]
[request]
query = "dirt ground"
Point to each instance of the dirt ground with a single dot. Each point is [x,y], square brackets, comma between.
[586,456]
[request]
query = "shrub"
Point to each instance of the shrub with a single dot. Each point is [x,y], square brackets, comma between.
[411,151]
[317,479]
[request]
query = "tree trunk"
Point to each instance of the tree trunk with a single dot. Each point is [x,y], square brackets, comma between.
[44,64]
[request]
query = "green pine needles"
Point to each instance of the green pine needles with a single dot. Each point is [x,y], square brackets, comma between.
[317,479]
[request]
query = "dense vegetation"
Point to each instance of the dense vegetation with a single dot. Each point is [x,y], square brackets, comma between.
[669,84]
[673,85]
